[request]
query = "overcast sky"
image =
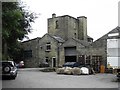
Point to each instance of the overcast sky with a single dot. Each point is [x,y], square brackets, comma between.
[102,15]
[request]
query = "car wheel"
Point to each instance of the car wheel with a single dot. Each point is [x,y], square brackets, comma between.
[6,69]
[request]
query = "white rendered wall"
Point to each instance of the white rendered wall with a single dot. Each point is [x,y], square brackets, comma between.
[113,52]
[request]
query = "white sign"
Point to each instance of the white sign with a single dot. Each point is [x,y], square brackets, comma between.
[113,34]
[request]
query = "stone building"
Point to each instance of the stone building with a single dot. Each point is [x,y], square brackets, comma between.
[68,27]
[31,52]
[66,41]
[100,45]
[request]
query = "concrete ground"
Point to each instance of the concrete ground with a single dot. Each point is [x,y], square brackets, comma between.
[33,78]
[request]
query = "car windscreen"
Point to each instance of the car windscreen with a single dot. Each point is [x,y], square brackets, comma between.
[71,64]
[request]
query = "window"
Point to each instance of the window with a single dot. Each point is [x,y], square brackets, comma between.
[88,60]
[46,59]
[48,46]
[75,35]
[75,26]
[57,26]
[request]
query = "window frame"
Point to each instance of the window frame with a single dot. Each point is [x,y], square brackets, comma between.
[48,46]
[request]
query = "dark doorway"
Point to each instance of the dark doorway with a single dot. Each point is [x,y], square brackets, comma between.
[96,62]
[70,58]
[81,59]
[54,62]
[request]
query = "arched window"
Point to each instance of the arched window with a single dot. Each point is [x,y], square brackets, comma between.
[75,35]
[57,26]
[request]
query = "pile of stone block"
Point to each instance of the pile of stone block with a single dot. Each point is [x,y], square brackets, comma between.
[60,70]
[76,71]
[68,71]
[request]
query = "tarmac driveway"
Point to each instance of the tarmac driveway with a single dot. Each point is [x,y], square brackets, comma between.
[33,78]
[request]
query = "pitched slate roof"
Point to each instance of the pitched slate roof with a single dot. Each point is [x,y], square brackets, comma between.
[115,30]
[82,42]
[59,39]
[38,38]
[89,37]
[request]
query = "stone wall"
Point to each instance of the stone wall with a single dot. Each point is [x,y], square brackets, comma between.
[99,47]
[61,29]
[50,54]
[31,45]
[39,53]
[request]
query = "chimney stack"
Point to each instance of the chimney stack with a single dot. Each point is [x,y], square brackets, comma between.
[53,15]
[82,28]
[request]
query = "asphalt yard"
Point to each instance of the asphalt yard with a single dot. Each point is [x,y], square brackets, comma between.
[33,78]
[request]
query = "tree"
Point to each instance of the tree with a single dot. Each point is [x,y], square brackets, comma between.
[16,24]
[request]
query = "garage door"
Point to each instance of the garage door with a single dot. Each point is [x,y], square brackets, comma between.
[70,51]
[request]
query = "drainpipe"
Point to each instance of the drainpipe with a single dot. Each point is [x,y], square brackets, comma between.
[58,54]
[38,61]
[85,59]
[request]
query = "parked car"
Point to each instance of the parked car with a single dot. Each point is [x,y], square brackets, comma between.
[9,69]
[43,64]
[71,64]
[20,64]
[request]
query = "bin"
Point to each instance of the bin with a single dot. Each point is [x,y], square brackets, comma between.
[102,69]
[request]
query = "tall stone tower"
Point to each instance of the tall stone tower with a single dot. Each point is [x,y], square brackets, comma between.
[57,26]
[68,27]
